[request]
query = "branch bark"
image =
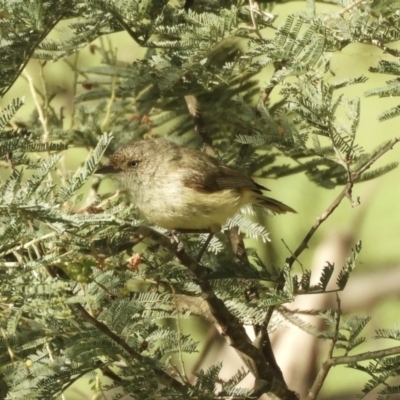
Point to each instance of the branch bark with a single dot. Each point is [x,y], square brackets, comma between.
[229,324]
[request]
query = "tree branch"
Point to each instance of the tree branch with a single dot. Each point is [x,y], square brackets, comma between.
[163,376]
[346,191]
[229,324]
[331,362]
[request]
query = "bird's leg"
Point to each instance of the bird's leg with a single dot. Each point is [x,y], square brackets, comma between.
[205,245]
[173,234]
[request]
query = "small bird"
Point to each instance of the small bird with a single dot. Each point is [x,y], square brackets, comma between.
[179,188]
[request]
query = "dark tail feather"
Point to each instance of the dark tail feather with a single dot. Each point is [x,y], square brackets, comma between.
[274,205]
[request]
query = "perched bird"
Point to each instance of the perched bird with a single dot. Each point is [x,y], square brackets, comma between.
[179,188]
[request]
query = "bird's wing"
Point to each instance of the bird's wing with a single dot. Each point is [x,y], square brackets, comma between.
[230,178]
[214,177]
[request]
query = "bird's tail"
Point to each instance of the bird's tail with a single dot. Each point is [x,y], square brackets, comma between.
[274,205]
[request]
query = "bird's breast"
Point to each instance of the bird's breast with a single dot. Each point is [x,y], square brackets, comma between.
[174,206]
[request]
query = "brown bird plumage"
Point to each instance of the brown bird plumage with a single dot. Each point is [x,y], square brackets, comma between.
[181,188]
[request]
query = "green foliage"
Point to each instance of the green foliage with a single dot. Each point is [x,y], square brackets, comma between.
[302,285]
[76,298]
[308,327]
[392,88]
[381,373]
[345,272]
[388,334]
[353,327]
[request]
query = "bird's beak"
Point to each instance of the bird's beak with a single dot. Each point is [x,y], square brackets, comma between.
[107,169]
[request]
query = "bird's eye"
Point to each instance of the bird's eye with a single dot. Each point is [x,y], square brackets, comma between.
[133,164]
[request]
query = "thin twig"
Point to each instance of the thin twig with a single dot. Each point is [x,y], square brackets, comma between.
[388,146]
[135,36]
[381,45]
[30,243]
[206,350]
[10,264]
[238,246]
[112,97]
[164,377]
[349,7]
[109,199]
[291,252]
[39,108]
[369,355]
[254,6]
[45,104]
[331,362]
[332,207]
[10,351]
[176,369]
[74,68]
[337,325]
[10,162]
[179,331]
